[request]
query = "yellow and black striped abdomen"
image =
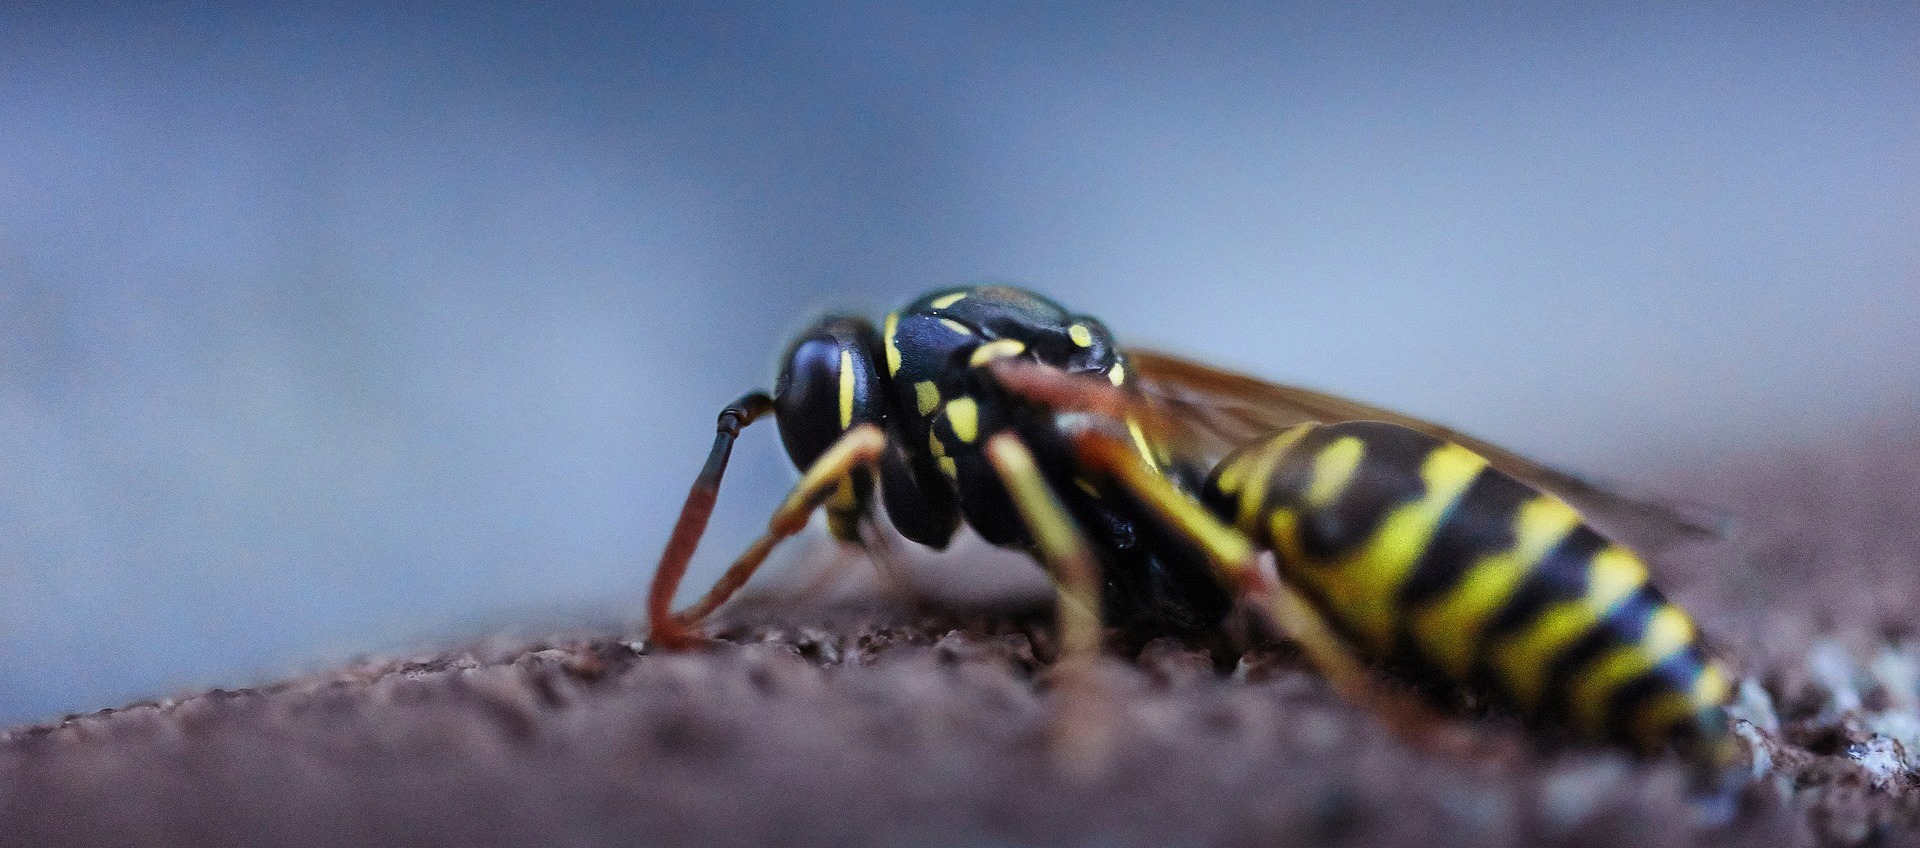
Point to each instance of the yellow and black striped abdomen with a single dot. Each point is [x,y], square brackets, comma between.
[1423,555]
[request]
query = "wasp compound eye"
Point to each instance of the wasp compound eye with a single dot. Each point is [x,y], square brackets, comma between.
[828,383]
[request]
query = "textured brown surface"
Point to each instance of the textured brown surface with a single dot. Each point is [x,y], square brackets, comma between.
[863,726]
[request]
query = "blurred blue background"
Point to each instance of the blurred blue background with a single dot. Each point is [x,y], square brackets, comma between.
[325,330]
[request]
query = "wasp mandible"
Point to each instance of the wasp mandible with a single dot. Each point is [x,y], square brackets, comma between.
[1147,486]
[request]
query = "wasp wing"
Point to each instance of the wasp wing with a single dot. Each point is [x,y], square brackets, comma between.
[1207,412]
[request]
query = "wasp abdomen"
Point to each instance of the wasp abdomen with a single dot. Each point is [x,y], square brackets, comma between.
[1423,554]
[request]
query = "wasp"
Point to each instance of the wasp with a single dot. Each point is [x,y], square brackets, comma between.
[1149,487]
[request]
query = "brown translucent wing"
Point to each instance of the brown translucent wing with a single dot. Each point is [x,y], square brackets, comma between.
[1207,412]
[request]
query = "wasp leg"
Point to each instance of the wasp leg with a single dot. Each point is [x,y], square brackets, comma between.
[1057,539]
[692,523]
[1234,563]
[1082,732]
[857,448]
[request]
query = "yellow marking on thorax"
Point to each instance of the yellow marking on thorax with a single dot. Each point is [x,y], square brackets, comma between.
[1657,715]
[1668,632]
[1118,375]
[957,327]
[940,456]
[846,388]
[893,344]
[945,301]
[1449,628]
[1520,660]
[926,396]
[996,349]
[1361,588]
[964,415]
[1081,336]
[1333,469]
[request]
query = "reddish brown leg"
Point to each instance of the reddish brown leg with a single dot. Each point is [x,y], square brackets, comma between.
[693,520]
[858,447]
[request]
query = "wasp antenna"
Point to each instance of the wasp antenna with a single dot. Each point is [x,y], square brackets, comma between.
[858,448]
[693,517]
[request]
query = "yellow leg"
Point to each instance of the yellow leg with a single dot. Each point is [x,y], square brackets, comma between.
[1065,551]
[1082,732]
[1229,552]
[858,447]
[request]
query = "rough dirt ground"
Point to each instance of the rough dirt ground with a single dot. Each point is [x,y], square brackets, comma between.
[864,726]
